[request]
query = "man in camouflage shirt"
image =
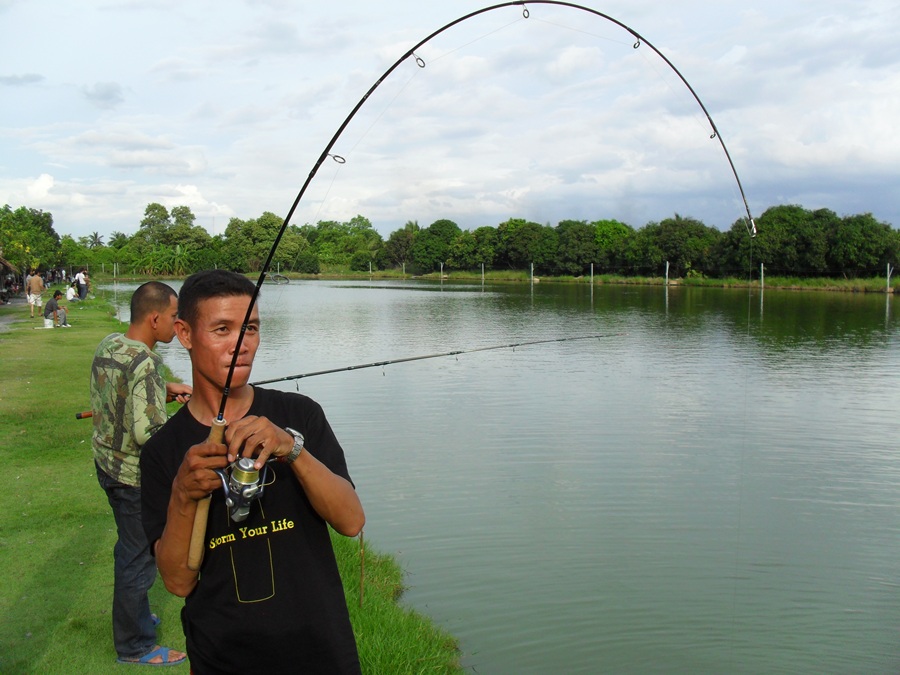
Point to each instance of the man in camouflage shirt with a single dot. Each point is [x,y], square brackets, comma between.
[128,401]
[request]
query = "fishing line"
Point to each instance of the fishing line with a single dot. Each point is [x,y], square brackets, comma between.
[422,63]
[741,462]
[582,31]
[652,64]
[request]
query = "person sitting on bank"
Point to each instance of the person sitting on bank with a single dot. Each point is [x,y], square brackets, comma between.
[54,315]
[72,292]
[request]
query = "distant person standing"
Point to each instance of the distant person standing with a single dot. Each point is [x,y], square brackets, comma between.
[128,401]
[82,280]
[33,288]
[54,315]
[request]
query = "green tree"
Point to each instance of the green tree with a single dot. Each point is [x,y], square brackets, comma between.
[96,240]
[485,245]
[155,225]
[861,246]
[248,242]
[27,238]
[73,255]
[462,254]
[431,246]
[686,244]
[523,243]
[428,251]
[335,243]
[506,234]
[118,240]
[445,230]
[642,253]
[307,262]
[735,251]
[182,216]
[577,246]
[361,261]
[793,240]
[397,249]
[612,238]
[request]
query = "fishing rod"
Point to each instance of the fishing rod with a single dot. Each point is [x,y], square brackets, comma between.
[455,352]
[87,414]
[217,430]
[407,359]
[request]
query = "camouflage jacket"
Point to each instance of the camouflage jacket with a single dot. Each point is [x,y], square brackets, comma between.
[128,401]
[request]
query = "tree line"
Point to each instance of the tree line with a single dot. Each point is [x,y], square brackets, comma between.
[791,241]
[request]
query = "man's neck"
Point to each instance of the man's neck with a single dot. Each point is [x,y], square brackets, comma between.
[207,398]
[141,334]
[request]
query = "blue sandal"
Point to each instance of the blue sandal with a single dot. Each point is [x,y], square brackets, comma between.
[146,659]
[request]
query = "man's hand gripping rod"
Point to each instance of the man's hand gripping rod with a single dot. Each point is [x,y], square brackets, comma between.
[198,534]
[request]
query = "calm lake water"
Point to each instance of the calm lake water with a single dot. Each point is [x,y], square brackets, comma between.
[712,488]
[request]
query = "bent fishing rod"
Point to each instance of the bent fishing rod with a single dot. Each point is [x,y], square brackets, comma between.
[327,151]
[218,425]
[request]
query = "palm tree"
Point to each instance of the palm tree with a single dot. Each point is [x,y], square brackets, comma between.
[95,240]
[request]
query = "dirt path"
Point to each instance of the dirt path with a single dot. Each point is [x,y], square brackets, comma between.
[16,312]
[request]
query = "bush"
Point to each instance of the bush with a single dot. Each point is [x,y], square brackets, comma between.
[308,263]
[360,261]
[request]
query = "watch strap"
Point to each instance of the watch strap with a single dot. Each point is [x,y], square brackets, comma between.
[291,457]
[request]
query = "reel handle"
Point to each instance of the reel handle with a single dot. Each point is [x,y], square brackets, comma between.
[198,534]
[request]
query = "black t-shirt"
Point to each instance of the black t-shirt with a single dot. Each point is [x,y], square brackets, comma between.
[53,306]
[269,597]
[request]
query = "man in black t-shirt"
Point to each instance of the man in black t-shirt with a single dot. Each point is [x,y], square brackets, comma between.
[267,597]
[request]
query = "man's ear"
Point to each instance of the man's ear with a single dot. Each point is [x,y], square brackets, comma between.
[153,322]
[183,331]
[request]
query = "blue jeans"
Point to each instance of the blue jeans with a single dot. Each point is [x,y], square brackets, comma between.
[135,571]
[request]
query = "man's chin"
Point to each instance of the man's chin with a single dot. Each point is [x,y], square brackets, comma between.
[240,377]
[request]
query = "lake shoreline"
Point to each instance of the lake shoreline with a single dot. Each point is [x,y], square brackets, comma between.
[772,283]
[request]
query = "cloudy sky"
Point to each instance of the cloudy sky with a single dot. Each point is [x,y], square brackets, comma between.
[109,105]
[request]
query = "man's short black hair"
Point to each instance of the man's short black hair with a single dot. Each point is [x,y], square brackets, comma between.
[58,294]
[210,284]
[153,296]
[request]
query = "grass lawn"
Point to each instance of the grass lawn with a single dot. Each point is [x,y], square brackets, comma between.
[57,531]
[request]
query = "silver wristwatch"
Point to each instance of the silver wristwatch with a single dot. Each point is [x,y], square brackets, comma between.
[296,450]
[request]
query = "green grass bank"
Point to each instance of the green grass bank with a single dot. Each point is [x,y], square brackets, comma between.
[57,531]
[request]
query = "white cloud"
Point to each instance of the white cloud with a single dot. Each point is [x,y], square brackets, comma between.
[552,117]
[40,189]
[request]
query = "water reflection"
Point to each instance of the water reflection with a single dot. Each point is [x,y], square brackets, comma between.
[715,490]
